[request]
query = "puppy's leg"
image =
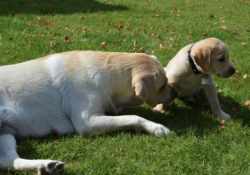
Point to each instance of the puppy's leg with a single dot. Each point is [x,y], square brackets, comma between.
[160,108]
[211,94]
[9,159]
[99,123]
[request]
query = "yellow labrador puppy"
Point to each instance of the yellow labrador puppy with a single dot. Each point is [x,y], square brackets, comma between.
[193,68]
[78,91]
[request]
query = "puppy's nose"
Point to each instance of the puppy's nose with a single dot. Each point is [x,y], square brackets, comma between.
[232,70]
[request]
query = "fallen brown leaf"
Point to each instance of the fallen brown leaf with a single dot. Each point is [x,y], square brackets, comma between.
[222,122]
[233,80]
[41,36]
[66,39]
[172,39]
[173,103]
[53,43]
[219,90]
[11,38]
[204,34]
[191,33]
[236,72]
[103,44]
[243,44]
[245,76]
[84,29]
[135,44]
[247,103]
[223,28]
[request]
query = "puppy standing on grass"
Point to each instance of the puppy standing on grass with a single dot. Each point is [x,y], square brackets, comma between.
[72,92]
[193,68]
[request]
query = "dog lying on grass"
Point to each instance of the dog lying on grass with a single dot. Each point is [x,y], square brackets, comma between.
[193,68]
[73,92]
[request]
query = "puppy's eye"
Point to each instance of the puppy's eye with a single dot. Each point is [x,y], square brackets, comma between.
[221,59]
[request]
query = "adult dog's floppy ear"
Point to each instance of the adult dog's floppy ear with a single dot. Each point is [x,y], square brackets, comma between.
[201,55]
[145,88]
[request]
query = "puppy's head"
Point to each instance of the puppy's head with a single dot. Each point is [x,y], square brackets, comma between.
[150,84]
[212,56]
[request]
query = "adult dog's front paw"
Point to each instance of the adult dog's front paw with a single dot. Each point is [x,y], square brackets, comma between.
[52,168]
[157,129]
[161,130]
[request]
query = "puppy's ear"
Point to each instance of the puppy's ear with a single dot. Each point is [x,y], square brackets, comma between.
[201,55]
[145,88]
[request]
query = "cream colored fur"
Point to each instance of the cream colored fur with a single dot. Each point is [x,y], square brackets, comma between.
[80,91]
[210,57]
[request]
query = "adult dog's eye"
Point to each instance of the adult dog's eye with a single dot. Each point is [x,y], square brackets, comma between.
[163,86]
[221,59]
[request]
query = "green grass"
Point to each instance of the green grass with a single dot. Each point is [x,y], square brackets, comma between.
[197,144]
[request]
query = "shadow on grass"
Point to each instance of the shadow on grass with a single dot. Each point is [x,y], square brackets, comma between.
[12,7]
[195,117]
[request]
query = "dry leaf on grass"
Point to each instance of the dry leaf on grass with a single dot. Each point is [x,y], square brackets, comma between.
[233,80]
[223,28]
[247,103]
[66,39]
[103,44]
[236,72]
[135,44]
[245,76]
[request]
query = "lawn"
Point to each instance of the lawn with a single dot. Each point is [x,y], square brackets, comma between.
[199,143]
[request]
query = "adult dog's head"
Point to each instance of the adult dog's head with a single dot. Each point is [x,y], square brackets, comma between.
[150,82]
[212,56]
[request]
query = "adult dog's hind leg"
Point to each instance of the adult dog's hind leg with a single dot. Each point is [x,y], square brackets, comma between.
[9,159]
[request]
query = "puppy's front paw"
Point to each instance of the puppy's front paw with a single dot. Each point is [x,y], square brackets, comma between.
[159,109]
[223,116]
[52,168]
[159,112]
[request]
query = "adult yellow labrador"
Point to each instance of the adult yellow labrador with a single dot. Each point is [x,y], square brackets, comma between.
[76,91]
[193,68]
